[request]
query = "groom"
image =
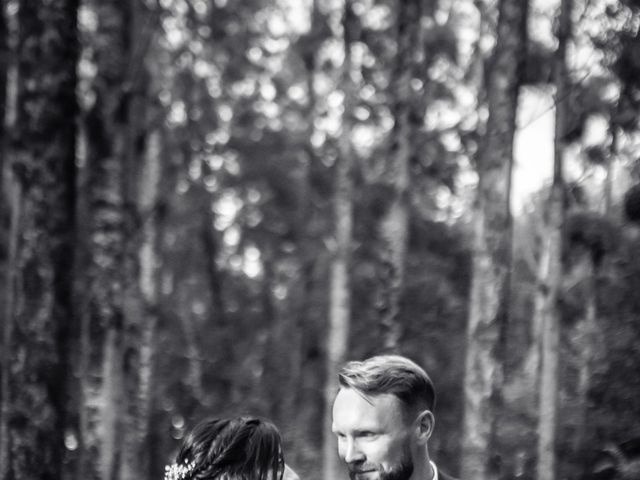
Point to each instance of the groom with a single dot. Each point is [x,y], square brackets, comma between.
[383,418]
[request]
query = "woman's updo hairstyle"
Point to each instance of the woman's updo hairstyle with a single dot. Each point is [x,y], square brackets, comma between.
[242,448]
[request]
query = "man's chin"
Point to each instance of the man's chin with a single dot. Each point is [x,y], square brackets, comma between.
[402,473]
[364,475]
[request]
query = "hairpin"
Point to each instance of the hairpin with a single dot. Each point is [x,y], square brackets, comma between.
[177,471]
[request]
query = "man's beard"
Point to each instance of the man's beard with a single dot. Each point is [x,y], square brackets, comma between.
[400,471]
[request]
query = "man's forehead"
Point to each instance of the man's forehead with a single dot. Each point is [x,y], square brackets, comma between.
[352,406]
[373,399]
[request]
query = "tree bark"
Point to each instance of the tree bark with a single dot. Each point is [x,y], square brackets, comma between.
[550,280]
[9,196]
[142,174]
[339,285]
[142,335]
[394,223]
[103,333]
[302,382]
[307,247]
[15,201]
[491,255]
[211,247]
[39,319]
[586,338]
[4,73]
[9,94]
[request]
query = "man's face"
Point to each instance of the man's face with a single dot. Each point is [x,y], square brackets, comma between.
[373,437]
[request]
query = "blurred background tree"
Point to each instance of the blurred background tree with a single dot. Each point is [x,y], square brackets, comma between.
[207,205]
[38,330]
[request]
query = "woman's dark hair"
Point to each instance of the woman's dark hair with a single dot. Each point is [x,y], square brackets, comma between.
[242,448]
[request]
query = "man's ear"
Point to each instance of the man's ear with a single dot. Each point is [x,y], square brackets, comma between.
[424,425]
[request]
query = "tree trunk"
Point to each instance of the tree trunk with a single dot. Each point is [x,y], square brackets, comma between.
[491,255]
[586,345]
[550,282]
[14,195]
[339,285]
[193,353]
[10,200]
[546,305]
[4,73]
[302,382]
[39,319]
[10,196]
[141,336]
[214,274]
[9,95]
[303,289]
[142,175]
[103,323]
[394,223]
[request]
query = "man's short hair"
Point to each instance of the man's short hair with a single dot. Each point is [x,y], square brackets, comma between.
[392,374]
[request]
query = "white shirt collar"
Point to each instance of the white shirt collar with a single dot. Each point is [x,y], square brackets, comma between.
[435,470]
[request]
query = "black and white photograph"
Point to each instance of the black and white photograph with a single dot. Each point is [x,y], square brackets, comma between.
[319,239]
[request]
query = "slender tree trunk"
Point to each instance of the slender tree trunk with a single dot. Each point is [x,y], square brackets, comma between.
[491,255]
[142,174]
[211,247]
[547,308]
[272,351]
[339,285]
[102,334]
[547,301]
[394,224]
[193,345]
[302,382]
[15,201]
[308,249]
[9,196]
[586,340]
[142,335]
[5,56]
[194,357]
[103,323]
[39,315]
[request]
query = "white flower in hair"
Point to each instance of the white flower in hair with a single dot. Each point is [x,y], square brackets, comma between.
[177,471]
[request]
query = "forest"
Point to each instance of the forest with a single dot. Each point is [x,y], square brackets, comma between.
[206,206]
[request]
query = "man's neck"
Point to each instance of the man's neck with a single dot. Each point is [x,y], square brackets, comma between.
[425,471]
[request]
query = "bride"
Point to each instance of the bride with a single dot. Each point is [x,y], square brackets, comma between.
[241,448]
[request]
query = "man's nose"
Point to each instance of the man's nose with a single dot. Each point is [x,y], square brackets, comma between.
[352,453]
